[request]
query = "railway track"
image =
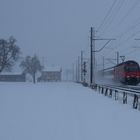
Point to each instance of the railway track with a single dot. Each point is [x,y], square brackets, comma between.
[133,87]
[121,92]
[115,84]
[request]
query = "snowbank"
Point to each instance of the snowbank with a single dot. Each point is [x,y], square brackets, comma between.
[63,111]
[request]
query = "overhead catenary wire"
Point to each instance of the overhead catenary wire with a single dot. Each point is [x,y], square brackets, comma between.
[129,12]
[122,36]
[109,11]
[127,31]
[128,38]
[119,6]
[113,15]
[124,41]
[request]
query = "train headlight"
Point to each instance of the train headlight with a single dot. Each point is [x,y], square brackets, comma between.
[127,77]
[137,77]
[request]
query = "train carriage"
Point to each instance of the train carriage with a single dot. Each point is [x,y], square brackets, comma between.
[127,72]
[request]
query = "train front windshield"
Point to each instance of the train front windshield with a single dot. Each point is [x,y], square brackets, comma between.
[132,68]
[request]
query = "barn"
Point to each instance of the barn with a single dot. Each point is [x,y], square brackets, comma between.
[51,74]
[10,77]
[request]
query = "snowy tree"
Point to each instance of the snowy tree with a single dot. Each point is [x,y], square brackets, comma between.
[9,53]
[31,65]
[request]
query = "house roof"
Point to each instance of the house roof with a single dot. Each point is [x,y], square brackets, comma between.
[11,73]
[53,69]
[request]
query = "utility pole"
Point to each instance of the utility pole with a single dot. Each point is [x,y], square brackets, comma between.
[81,66]
[78,69]
[92,53]
[73,73]
[117,58]
[76,72]
[84,71]
[103,65]
[91,56]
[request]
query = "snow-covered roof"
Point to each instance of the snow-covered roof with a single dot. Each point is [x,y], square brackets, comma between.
[10,73]
[52,69]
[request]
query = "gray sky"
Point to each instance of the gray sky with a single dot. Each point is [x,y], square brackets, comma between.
[57,30]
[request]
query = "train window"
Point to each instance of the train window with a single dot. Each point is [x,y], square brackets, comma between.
[131,68]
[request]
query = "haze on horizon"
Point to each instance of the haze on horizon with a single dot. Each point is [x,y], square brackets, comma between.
[58,30]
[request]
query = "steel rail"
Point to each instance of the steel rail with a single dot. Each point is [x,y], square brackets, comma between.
[110,90]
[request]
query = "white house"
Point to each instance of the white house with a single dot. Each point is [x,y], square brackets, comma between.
[51,74]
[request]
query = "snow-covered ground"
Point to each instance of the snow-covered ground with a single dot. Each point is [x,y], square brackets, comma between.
[63,111]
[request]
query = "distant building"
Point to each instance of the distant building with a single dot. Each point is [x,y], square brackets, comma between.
[9,77]
[50,75]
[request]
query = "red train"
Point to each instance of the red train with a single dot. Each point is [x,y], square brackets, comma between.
[127,72]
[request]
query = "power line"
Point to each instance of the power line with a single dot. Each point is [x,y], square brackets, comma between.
[130,37]
[122,20]
[109,11]
[130,11]
[114,14]
[113,17]
[125,41]
[126,15]
[129,29]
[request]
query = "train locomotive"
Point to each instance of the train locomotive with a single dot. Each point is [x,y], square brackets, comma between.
[127,72]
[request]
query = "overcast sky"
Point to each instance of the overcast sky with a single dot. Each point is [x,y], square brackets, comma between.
[57,30]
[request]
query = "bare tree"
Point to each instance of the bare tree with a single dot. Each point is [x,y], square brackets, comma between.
[9,53]
[31,65]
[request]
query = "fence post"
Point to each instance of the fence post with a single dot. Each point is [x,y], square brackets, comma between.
[124,98]
[99,88]
[116,96]
[110,93]
[102,91]
[135,101]
[106,91]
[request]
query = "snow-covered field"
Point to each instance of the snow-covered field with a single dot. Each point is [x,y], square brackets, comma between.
[63,111]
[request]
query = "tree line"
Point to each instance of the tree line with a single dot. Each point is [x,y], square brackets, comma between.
[10,52]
